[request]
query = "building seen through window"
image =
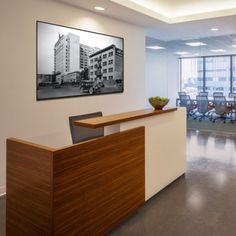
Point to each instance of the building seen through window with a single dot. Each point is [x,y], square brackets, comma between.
[209,74]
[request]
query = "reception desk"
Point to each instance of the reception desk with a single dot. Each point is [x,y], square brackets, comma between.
[88,188]
[165,142]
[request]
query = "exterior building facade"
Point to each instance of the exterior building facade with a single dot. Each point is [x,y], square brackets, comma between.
[107,64]
[85,52]
[44,79]
[70,58]
[66,56]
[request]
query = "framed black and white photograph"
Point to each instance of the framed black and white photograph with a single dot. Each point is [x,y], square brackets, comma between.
[73,62]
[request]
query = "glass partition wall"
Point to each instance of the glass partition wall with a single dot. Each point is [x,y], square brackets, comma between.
[233,74]
[191,65]
[191,70]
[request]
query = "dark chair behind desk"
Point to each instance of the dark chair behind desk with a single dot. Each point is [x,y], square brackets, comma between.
[79,133]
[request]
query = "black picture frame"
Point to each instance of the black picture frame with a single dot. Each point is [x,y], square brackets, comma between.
[72,62]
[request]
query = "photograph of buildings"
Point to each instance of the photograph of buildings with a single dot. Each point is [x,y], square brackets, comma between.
[72,62]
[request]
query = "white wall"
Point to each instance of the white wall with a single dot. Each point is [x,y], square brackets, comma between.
[47,121]
[162,75]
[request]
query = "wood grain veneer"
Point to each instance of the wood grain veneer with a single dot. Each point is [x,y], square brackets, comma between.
[121,117]
[29,189]
[83,189]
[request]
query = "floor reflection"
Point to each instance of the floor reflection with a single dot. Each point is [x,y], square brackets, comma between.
[202,202]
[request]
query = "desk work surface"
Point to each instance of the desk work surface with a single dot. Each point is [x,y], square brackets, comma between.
[121,117]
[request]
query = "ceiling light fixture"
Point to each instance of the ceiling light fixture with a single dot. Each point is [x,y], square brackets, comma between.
[155,47]
[214,29]
[99,8]
[182,53]
[218,50]
[196,44]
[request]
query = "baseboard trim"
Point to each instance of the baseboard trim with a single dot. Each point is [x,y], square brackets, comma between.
[2,190]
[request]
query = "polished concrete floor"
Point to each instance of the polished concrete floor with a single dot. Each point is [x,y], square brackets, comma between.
[202,203]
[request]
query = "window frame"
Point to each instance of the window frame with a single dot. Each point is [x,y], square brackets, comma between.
[204,70]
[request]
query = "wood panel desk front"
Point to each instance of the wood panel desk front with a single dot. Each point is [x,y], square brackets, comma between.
[82,189]
[88,188]
[165,142]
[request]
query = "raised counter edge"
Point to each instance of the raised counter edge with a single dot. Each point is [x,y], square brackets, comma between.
[121,117]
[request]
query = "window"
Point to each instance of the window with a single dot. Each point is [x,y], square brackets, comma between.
[110,62]
[104,56]
[110,54]
[220,89]
[104,63]
[192,75]
[104,71]
[218,68]
[111,69]
[222,79]
[110,77]
[209,74]
[234,73]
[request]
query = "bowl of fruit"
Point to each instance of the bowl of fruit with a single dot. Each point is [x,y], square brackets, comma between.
[158,102]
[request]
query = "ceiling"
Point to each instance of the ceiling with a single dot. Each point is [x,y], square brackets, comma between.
[157,27]
[174,11]
[226,44]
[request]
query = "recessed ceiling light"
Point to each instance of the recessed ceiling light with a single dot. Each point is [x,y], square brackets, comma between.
[155,47]
[196,44]
[99,8]
[218,50]
[214,29]
[182,53]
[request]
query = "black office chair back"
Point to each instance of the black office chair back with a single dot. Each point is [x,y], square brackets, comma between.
[218,94]
[185,101]
[220,105]
[232,95]
[79,133]
[202,104]
[181,93]
[203,94]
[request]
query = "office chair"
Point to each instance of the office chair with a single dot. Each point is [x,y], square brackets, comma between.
[79,133]
[218,94]
[222,110]
[185,101]
[234,109]
[203,108]
[181,93]
[232,95]
[203,94]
